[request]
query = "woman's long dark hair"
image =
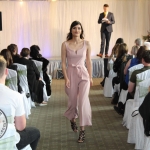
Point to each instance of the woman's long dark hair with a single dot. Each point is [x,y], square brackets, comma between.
[69,35]
[8,57]
[122,50]
[119,41]
[11,48]
[140,52]
[34,51]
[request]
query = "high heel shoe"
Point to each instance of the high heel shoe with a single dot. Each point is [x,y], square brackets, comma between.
[81,136]
[74,126]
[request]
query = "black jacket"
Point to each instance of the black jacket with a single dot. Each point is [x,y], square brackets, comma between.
[144,110]
[106,26]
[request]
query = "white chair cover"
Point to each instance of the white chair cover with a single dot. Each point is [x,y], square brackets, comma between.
[136,67]
[27,105]
[146,143]
[134,127]
[127,113]
[22,73]
[123,96]
[139,132]
[39,67]
[117,88]
[112,74]
[108,89]
[129,104]
[11,80]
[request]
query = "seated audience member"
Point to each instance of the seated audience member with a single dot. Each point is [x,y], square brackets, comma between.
[118,67]
[115,49]
[33,76]
[146,63]
[14,52]
[25,135]
[34,53]
[138,43]
[119,41]
[112,56]
[114,52]
[132,62]
[7,55]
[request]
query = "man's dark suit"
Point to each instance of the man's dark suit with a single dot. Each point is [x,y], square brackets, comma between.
[106,30]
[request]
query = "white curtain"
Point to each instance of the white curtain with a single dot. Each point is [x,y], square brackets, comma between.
[47,23]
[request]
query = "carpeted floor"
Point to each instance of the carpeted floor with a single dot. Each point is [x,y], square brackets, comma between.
[107,133]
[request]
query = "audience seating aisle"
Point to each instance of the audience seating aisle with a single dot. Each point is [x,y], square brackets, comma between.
[16,78]
[134,123]
[11,80]
[138,86]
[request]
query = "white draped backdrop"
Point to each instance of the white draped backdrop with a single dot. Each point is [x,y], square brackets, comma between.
[47,23]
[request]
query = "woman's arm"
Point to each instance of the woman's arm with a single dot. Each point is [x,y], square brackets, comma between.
[126,67]
[63,61]
[88,62]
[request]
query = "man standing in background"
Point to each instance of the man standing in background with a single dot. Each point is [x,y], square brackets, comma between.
[106,19]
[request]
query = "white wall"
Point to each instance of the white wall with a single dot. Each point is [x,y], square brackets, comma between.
[47,23]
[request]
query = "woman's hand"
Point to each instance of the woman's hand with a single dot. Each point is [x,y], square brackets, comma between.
[91,81]
[67,83]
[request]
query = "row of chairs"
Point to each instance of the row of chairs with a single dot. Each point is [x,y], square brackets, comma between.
[132,120]
[8,140]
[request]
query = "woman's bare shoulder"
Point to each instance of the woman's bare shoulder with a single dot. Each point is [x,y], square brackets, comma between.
[64,42]
[87,43]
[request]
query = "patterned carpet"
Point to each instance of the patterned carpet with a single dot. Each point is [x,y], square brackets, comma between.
[107,133]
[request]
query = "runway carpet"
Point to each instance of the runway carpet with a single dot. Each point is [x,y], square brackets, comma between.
[107,132]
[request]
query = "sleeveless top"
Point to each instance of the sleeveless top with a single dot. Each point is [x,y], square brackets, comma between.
[76,60]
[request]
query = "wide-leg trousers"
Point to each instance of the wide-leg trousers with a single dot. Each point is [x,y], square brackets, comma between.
[78,102]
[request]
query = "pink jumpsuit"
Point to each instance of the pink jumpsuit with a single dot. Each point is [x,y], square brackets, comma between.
[78,92]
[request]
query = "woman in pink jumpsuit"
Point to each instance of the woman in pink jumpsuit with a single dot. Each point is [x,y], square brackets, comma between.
[78,78]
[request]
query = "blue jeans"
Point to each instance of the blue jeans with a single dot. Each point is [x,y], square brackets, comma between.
[29,135]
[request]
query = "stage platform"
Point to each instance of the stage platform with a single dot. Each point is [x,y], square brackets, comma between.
[97,65]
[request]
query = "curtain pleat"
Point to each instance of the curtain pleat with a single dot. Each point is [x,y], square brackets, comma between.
[47,23]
